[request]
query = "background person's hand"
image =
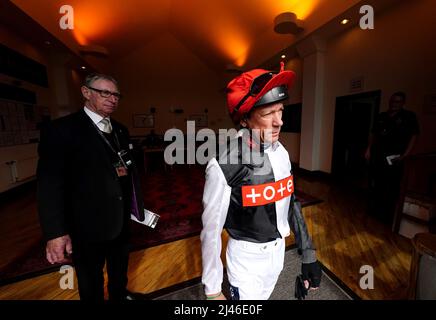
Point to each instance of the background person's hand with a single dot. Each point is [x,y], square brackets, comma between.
[56,249]
[368,154]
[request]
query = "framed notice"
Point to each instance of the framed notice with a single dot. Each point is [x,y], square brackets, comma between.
[200,119]
[20,122]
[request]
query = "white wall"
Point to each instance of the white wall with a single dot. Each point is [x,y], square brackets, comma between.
[291,141]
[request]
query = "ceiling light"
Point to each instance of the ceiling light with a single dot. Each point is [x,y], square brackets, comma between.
[283,56]
[345,21]
[83,67]
[287,23]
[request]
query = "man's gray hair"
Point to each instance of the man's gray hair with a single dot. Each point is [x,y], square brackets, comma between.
[90,78]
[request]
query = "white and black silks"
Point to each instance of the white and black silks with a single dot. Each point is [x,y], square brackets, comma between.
[252,201]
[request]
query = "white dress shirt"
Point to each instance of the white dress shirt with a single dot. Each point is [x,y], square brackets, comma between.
[96,118]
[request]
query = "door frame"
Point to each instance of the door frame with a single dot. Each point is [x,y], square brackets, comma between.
[341,100]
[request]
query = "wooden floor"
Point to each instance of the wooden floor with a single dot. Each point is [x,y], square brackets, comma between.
[345,236]
[19,224]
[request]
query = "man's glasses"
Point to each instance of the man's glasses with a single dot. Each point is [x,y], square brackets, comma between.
[106,93]
[256,87]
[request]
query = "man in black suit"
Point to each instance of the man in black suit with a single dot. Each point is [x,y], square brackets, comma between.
[87,190]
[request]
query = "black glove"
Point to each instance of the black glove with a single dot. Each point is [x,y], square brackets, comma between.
[312,273]
[300,289]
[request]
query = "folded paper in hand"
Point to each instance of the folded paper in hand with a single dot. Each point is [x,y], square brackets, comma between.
[392,157]
[150,219]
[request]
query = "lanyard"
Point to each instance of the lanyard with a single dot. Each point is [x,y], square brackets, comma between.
[117,142]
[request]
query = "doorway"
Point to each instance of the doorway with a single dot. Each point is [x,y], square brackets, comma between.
[354,120]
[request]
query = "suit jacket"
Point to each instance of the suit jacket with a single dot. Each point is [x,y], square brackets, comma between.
[78,190]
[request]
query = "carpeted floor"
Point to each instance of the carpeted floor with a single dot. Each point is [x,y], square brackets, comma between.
[284,290]
[175,194]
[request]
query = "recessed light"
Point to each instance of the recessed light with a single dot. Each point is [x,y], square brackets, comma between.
[345,21]
[283,56]
[83,67]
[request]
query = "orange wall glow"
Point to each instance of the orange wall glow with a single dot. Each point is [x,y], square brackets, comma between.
[233,45]
[220,27]
[231,28]
[302,9]
[92,20]
[236,46]
[80,38]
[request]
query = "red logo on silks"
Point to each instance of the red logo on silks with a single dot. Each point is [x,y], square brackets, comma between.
[262,194]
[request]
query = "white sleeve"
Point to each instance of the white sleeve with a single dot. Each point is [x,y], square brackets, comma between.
[216,199]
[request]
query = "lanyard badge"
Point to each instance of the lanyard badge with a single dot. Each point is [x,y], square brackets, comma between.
[121,170]
[121,167]
[123,164]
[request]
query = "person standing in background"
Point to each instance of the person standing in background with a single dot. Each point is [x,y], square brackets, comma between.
[393,138]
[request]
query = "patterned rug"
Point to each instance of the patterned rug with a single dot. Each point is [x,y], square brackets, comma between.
[175,194]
